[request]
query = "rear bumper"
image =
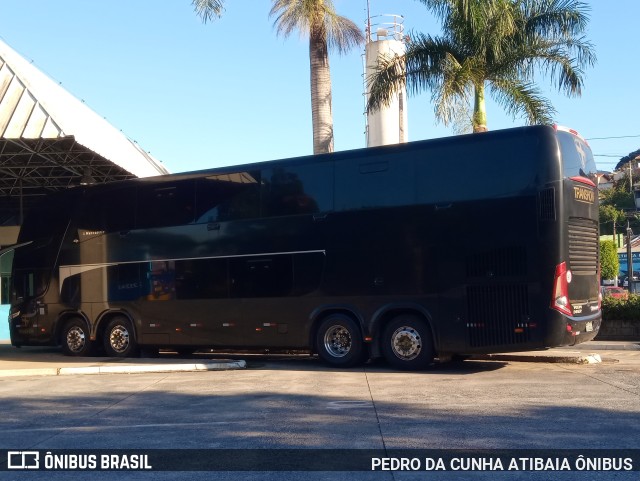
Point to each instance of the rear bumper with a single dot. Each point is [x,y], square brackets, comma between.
[581,329]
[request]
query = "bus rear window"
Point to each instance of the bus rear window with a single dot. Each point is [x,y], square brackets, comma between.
[577,158]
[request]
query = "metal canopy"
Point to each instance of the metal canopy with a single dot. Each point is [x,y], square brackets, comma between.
[49,140]
[30,168]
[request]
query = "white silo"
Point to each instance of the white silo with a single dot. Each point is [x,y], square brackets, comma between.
[385,38]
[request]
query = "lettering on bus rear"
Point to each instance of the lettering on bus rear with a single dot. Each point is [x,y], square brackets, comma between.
[584,194]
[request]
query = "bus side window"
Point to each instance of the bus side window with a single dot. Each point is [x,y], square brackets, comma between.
[381,181]
[262,276]
[297,189]
[166,205]
[202,279]
[308,269]
[225,197]
[109,211]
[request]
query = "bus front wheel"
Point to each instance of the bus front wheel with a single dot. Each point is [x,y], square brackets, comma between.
[75,338]
[339,342]
[118,338]
[407,343]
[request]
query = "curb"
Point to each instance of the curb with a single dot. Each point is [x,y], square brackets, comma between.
[127,369]
[566,359]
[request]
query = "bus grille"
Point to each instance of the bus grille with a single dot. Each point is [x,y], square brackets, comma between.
[498,262]
[583,247]
[547,204]
[498,315]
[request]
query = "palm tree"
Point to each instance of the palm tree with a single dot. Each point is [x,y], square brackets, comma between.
[498,44]
[325,28]
[318,19]
[208,9]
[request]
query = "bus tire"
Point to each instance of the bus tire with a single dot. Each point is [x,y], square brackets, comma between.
[407,343]
[75,338]
[119,338]
[339,341]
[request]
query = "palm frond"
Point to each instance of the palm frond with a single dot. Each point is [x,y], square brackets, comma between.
[522,99]
[309,17]
[388,78]
[208,9]
[553,18]
[342,33]
[501,43]
[419,68]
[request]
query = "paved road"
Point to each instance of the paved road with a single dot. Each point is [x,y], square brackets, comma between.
[299,403]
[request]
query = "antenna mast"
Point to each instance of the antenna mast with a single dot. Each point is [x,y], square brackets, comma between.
[368,32]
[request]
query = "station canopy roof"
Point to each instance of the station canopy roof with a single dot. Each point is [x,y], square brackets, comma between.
[50,140]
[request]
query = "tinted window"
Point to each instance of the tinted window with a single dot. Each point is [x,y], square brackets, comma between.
[577,158]
[124,282]
[109,211]
[262,276]
[166,204]
[159,280]
[202,279]
[297,189]
[232,196]
[44,226]
[308,271]
[480,167]
[377,181]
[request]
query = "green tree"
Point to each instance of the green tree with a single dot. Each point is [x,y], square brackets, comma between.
[491,44]
[614,202]
[609,264]
[326,29]
[611,217]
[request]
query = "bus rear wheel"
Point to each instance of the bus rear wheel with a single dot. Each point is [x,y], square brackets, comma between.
[339,342]
[75,338]
[119,339]
[407,343]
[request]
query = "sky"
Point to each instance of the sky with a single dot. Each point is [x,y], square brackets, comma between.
[232,91]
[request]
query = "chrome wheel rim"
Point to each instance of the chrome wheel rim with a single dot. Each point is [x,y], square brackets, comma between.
[406,343]
[337,341]
[76,339]
[119,339]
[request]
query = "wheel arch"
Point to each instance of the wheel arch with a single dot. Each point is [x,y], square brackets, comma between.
[387,313]
[321,313]
[105,317]
[63,318]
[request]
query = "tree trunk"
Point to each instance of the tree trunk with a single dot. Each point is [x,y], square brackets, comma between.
[320,92]
[479,110]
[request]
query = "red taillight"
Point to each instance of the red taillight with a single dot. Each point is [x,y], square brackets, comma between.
[583,180]
[560,299]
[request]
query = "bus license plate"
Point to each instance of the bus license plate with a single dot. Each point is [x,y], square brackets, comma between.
[589,327]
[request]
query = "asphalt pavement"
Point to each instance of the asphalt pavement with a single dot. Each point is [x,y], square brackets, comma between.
[49,361]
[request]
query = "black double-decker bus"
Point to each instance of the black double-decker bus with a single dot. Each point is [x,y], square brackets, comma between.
[470,244]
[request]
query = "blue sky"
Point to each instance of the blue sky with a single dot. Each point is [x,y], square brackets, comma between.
[199,96]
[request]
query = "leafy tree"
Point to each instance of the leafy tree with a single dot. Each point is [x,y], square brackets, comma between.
[326,29]
[617,208]
[627,158]
[610,218]
[609,264]
[491,44]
